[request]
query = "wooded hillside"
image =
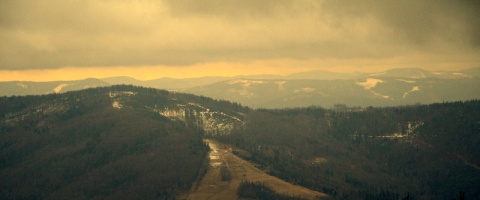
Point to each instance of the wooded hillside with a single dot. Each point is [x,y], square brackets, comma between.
[428,151]
[77,146]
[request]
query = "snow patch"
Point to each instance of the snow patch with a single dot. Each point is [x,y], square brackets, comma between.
[116,97]
[406,81]
[60,87]
[198,105]
[245,83]
[22,85]
[380,95]
[415,88]
[174,114]
[215,160]
[409,132]
[378,74]
[395,135]
[213,122]
[369,83]
[461,75]
[117,105]
[232,117]
[121,93]
[412,126]
[305,90]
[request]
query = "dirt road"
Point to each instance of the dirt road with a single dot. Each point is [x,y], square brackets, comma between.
[212,186]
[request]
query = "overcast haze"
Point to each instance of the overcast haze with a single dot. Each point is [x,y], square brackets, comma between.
[180,38]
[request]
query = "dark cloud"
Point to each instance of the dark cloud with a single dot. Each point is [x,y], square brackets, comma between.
[57,33]
[418,22]
[235,9]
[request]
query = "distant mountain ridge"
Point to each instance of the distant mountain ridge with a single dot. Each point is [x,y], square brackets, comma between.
[165,83]
[324,75]
[472,71]
[20,88]
[420,73]
[326,93]
[321,88]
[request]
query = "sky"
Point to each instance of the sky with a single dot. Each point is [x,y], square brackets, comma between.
[44,40]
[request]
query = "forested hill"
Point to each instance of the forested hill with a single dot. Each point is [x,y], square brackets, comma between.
[428,151]
[127,142]
[119,142]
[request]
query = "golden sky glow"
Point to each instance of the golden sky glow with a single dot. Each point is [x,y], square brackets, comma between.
[277,67]
[152,72]
[42,40]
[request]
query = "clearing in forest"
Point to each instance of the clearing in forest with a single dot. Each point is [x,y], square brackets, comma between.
[226,171]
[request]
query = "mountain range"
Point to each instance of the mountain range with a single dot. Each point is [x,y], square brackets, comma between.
[318,88]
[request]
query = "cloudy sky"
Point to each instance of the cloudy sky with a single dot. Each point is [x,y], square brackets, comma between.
[72,39]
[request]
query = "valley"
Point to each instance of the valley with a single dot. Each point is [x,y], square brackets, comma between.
[213,187]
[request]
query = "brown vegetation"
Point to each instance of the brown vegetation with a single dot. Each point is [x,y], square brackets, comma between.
[213,187]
